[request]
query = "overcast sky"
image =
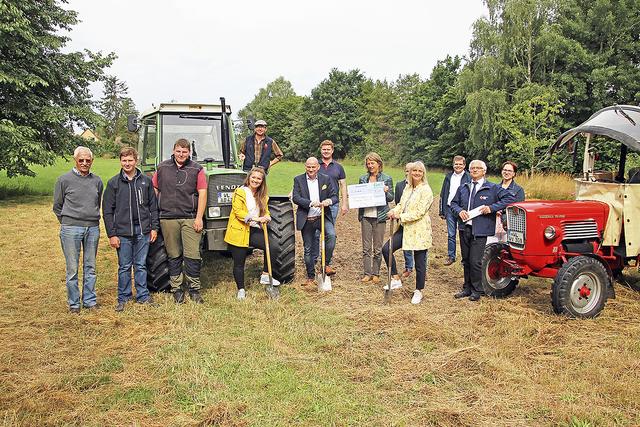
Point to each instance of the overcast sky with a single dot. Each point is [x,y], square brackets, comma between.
[197,51]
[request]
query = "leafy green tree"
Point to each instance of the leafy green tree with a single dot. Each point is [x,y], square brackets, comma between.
[278,89]
[381,121]
[43,91]
[425,110]
[280,114]
[334,111]
[531,126]
[115,106]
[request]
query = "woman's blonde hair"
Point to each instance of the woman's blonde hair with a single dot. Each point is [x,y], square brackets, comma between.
[374,157]
[420,166]
[261,192]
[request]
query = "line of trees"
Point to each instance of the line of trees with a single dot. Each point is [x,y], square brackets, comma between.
[534,69]
[45,93]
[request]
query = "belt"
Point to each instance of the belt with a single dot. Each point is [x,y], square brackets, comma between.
[312,218]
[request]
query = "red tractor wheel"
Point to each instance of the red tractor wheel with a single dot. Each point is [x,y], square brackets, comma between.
[580,287]
[496,282]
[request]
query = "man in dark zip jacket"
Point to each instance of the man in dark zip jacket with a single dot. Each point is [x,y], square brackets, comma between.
[130,211]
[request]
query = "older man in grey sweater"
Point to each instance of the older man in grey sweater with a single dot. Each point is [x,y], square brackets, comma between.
[76,203]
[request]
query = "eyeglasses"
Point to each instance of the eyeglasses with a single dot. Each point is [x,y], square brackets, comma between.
[84,160]
[476,168]
[508,170]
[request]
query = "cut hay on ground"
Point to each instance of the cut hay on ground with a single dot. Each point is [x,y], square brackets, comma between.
[341,358]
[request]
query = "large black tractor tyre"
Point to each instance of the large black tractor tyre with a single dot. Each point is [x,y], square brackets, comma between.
[158,266]
[495,283]
[580,288]
[282,239]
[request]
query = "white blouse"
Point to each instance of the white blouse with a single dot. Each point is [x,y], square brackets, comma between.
[252,206]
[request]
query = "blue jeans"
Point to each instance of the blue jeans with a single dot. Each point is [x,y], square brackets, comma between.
[133,253]
[408,260]
[334,213]
[312,249]
[72,239]
[452,232]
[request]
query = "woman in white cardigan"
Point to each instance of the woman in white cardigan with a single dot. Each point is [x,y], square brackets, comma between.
[414,233]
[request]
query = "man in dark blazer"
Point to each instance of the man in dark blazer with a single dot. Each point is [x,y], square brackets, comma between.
[487,198]
[452,181]
[311,191]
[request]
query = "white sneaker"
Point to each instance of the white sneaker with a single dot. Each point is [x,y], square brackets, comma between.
[242,294]
[395,284]
[417,297]
[264,280]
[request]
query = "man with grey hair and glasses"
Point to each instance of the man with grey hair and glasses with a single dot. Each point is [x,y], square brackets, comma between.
[76,202]
[476,204]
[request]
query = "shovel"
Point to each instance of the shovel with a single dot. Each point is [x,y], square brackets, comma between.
[387,292]
[324,281]
[272,291]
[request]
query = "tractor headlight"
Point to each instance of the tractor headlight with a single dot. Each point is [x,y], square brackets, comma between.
[550,233]
[214,211]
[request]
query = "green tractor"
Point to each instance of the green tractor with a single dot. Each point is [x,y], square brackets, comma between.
[213,145]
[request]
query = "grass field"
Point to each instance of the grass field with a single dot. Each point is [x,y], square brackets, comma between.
[341,358]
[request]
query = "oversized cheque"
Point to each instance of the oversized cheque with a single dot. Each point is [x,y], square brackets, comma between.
[366,195]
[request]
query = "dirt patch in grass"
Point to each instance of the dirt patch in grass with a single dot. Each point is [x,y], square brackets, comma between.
[341,358]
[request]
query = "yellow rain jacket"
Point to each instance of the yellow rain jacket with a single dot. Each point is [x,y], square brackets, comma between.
[237,233]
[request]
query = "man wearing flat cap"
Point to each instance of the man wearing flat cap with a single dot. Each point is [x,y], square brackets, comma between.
[259,149]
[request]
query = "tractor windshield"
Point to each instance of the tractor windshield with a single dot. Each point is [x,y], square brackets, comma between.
[203,132]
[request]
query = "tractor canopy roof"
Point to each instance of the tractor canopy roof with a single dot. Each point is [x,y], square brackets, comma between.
[186,108]
[619,122]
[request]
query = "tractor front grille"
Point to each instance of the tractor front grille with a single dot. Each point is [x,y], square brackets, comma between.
[516,227]
[221,187]
[580,230]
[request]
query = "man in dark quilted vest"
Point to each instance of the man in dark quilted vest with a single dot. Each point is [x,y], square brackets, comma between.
[181,186]
[259,149]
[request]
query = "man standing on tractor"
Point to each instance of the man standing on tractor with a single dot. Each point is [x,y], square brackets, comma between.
[181,186]
[259,150]
[76,203]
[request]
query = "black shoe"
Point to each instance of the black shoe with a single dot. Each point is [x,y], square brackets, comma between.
[178,296]
[196,297]
[474,296]
[74,310]
[120,306]
[462,294]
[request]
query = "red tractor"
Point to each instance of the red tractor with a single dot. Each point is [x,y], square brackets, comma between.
[583,244]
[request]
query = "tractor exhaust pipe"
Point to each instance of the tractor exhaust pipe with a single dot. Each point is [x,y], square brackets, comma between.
[226,142]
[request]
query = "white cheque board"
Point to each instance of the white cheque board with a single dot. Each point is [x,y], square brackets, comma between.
[366,195]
